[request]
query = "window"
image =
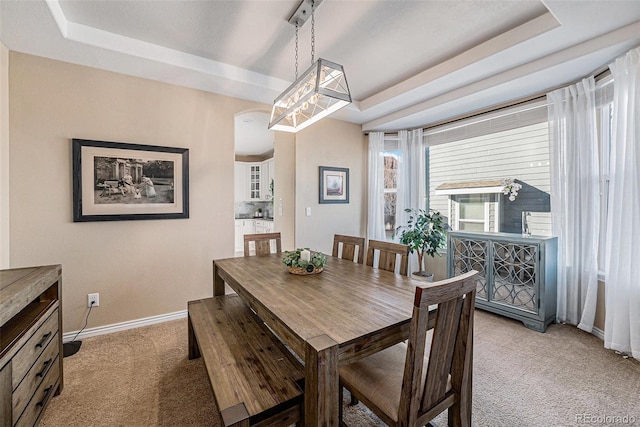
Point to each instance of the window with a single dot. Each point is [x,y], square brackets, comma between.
[469,162]
[605,116]
[471,212]
[391,163]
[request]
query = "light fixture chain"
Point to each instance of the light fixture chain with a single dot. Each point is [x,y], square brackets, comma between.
[296,51]
[313,32]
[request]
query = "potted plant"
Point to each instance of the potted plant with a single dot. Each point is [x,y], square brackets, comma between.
[425,233]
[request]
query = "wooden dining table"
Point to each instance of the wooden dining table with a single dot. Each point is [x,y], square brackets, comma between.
[345,313]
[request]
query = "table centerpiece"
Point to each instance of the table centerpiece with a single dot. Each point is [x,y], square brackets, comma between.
[304,261]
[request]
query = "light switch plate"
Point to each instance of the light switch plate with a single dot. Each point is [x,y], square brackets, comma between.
[307,211]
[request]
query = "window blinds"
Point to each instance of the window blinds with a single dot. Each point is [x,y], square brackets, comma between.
[524,114]
[529,113]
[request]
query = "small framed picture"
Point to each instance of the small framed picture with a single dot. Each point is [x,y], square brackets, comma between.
[334,185]
[115,181]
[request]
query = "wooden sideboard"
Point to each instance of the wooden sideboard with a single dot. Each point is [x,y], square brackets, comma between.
[30,342]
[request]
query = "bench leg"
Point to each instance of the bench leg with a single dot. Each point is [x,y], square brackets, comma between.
[194,351]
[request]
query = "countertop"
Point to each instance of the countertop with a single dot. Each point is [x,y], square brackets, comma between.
[264,218]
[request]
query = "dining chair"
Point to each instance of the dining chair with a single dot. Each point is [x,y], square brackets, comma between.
[405,385]
[388,253]
[262,243]
[349,246]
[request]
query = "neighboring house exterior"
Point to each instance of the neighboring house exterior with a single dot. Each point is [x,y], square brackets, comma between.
[465,180]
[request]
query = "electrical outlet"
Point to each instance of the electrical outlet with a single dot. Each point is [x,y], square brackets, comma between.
[93,300]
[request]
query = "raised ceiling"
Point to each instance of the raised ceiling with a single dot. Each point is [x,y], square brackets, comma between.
[408,62]
[252,138]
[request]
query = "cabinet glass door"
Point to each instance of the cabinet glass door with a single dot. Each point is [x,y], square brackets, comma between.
[254,181]
[471,255]
[515,275]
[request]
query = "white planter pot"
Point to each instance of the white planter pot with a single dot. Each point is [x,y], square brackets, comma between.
[425,277]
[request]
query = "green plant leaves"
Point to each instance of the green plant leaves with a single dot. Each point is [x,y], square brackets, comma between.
[425,232]
[292,259]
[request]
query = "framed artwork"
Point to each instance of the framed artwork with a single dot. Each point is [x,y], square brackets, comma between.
[334,185]
[115,181]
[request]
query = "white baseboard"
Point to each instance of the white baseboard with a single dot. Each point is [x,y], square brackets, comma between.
[598,332]
[123,326]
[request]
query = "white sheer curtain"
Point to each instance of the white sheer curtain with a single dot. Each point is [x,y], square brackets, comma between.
[411,174]
[403,199]
[375,223]
[417,171]
[411,179]
[575,200]
[622,266]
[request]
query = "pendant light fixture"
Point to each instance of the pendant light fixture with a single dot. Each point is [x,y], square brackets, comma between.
[321,90]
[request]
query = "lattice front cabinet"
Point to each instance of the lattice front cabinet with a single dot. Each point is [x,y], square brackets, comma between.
[517,274]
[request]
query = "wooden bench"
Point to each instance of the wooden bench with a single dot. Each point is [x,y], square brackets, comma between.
[255,380]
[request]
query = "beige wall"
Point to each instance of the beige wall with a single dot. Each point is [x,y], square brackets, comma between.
[329,143]
[146,268]
[140,268]
[284,166]
[4,157]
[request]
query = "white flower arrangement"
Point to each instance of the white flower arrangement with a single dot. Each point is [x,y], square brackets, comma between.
[510,188]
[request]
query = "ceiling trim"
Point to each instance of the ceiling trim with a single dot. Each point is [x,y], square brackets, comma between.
[137,48]
[625,34]
[58,16]
[511,38]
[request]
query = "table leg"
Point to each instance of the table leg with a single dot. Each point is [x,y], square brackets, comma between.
[322,383]
[218,283]
[194,350]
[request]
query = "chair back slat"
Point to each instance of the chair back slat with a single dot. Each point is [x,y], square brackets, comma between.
[349,245]
[442,345]
[262,243]
[388,252]
[450,350]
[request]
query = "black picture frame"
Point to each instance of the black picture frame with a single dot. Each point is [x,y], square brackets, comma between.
[116,181]
[334,185]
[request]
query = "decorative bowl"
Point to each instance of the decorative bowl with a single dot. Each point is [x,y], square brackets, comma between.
[303,271]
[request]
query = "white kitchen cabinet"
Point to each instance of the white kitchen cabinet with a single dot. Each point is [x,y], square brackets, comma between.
[255,181]
[242,227]
[251,226]
[264,226]
[248,181]
[267,176]
[252,180]
[239,242]
[241,185]
[248,226]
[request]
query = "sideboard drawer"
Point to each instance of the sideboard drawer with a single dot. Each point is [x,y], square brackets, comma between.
[40,398]
[29,352]
[35,376]
[30,342]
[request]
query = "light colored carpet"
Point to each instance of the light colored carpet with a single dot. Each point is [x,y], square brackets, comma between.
[142,377]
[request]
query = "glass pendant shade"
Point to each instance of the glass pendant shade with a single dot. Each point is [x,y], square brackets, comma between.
[321,90]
